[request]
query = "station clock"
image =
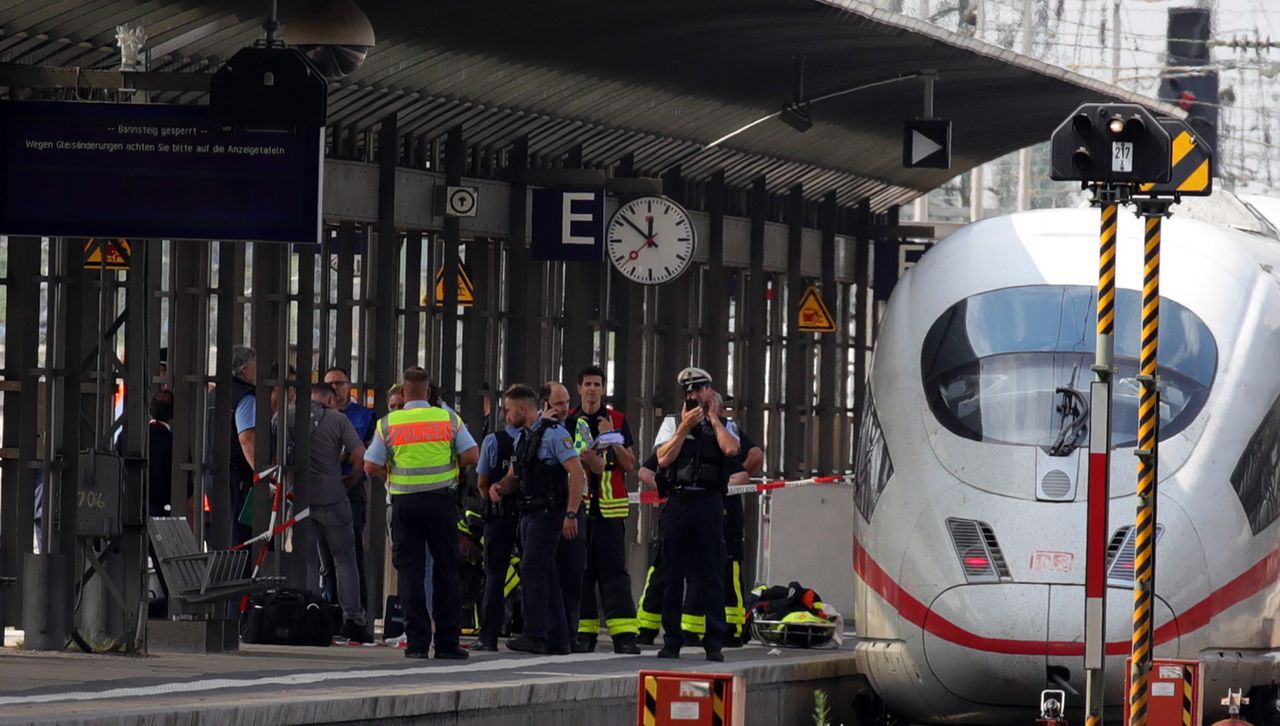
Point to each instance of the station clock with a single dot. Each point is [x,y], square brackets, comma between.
[650,240]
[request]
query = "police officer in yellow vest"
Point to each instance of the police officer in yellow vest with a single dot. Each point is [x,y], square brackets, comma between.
[419,451]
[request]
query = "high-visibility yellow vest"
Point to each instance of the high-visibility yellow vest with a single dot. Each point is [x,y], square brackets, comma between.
[419,445]
[612,500]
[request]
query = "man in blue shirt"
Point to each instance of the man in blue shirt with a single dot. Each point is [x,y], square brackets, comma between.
[549,480]
[361,418]
[420,455]
[502,517]
[244,376]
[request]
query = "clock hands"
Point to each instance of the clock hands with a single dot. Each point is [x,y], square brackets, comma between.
[648,236]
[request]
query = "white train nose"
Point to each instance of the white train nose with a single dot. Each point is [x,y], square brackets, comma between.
[995,643]
[987,643]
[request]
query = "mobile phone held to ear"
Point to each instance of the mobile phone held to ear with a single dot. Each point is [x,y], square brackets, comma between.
[690,404]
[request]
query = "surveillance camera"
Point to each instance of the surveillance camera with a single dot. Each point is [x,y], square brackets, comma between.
[335,35]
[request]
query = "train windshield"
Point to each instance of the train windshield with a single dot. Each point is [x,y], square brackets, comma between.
[995,365]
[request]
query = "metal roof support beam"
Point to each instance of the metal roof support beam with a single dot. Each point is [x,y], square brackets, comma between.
[300,381]
[796,412]
[340,355]
[455,158]
[413,297]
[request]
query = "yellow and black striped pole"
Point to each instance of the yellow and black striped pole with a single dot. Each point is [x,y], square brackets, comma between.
[1108,199]
[1144,560]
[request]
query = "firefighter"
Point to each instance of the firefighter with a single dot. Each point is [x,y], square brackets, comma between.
[604,442]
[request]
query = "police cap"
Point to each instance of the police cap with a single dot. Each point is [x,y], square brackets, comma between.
[691,377]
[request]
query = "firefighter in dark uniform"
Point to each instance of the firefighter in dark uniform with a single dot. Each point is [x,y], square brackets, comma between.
[548,479]
[501,522]
[608,461]
[699,453]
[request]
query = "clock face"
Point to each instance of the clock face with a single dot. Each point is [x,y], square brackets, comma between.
[650,240]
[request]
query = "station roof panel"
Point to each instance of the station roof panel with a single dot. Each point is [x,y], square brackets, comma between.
[659,79]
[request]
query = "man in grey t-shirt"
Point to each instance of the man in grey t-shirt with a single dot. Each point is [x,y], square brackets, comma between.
[333,443]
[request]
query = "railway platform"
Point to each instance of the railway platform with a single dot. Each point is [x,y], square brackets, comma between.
[281,685]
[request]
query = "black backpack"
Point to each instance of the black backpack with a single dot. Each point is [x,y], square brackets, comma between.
[287,617]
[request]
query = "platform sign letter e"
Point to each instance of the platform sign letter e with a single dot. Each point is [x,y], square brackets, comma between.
[568,226]
[581,201]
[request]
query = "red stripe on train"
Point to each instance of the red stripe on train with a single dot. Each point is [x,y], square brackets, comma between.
[1251,582]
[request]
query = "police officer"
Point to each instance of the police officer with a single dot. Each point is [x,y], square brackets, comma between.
[501,522]
[699,453]
[606,523]
[423,447]
[549,479]
[750,461]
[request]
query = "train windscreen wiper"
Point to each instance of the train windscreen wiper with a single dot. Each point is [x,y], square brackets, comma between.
[1073,409]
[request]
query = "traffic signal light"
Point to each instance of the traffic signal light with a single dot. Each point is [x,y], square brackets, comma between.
[1110,143]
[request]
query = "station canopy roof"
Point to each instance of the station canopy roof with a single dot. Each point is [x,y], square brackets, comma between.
[658,78]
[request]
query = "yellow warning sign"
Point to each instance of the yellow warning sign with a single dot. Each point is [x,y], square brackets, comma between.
[1192,164]
[466,290]
[813,316]
[116,257]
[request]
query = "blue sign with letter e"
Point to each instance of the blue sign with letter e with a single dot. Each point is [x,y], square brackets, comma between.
[568,226]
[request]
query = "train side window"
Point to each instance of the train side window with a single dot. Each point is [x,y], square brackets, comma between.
[1256,477]
[874,467]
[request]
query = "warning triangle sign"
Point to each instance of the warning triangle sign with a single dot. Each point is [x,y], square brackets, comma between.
[466,290]
[116,257]
[813,316]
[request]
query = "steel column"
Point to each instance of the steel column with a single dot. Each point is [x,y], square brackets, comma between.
[455,157]
[756,307]
[828,392]
[715,290]
[413,296]
[794,417]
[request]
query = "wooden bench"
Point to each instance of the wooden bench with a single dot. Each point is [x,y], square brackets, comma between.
[198,581]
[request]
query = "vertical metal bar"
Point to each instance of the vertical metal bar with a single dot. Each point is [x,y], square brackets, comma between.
[341,353]
[581,301]
[1095,611]
[17,503]
[324,349]
[521,335]
[380,357]
[475,328]
[795,413]
[862,280]
[756,307]
[827,386]
[413,297]
[673,326]
[271,370]
[715,300]
[301,383]
[138,341]
[455,157]
[223,437]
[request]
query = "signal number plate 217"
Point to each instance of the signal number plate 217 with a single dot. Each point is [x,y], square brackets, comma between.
[1122,156]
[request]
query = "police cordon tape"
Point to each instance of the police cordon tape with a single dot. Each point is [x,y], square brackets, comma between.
[760,487]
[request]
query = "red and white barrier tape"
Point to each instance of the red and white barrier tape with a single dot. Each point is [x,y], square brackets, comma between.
[649,496]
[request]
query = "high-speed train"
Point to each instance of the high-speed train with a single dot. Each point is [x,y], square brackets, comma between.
[969,534]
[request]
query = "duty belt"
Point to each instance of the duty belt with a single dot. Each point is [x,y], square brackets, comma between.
[535,504]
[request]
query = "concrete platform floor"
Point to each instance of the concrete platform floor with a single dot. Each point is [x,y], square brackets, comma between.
[374,684]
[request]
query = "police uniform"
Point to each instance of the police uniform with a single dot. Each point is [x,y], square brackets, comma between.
[605,532]
[419,444]
[735,613]
[501,524]
[694,524]
[543,496]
